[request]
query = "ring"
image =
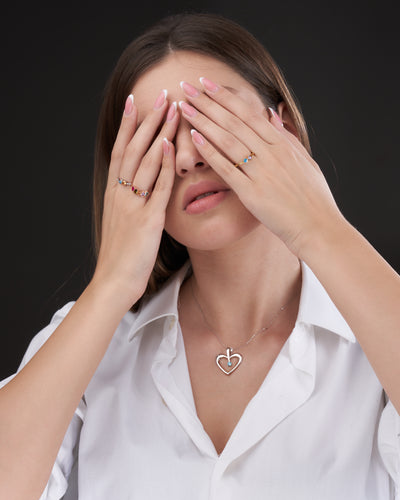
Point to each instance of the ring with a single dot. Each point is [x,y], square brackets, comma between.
[140,192]
[245,160]
[123,182]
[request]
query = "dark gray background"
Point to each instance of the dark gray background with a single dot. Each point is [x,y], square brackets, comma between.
[341,59]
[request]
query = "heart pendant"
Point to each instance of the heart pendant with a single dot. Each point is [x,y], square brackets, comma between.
[229,356]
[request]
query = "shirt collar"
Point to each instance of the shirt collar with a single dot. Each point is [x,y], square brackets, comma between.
[316,307]
[164,303]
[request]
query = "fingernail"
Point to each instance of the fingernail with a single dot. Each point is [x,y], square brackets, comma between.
[129,105]
[160,99]
[208,84]
[171,111]
[187,109]
[275,114]
[165,146]
[197,138]
[189,89]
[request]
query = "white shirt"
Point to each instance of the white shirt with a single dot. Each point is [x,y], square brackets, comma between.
[317,429]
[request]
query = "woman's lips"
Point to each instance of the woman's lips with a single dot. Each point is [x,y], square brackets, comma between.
[207,202]
[203,196]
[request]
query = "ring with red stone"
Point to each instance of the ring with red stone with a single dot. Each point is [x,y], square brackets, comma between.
[245,160]
[124,182]
[143,193]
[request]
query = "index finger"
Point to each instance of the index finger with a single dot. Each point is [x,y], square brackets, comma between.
[255,118]
[124,136]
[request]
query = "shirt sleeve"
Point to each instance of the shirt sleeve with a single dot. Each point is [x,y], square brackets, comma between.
[389,444]
[67,455]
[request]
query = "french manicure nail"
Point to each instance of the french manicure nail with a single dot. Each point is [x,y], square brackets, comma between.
[165,145]
[129,105]
[189,89]
[160,99]
[208,84]
[171,111]
[187,109]
[197,138]
[275,114]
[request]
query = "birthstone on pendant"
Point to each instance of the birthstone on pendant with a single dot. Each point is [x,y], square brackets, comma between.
[228,356]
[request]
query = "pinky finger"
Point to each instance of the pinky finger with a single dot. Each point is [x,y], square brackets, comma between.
[163,186]
[125,133]
[290,136]
[293,139]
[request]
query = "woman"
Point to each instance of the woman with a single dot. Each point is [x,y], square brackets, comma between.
[239,337]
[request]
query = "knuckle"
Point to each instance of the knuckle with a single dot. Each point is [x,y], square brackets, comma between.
[131,149]
[224,96]
[228,142]
[231,122]
[116,154]
[252,115]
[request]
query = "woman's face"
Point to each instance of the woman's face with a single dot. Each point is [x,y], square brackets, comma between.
[221,221]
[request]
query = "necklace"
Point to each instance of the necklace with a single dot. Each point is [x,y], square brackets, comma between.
[231,353]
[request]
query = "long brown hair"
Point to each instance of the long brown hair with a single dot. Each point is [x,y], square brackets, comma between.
[207,34]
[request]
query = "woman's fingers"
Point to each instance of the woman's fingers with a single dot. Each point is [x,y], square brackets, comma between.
[147,173]
[125,134]
[291,138]
[237,128]
[225,141]
[252,126]
[222,166]
[143,138]
[281,185]
[231,112]
[132,229]
[165,180]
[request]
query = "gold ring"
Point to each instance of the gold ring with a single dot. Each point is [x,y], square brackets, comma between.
[245,160]
[124,182]
[140,192]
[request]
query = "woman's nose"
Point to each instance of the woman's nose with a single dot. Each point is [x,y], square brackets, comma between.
[188,159]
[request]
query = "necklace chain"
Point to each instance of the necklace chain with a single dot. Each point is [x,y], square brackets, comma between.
[252,337]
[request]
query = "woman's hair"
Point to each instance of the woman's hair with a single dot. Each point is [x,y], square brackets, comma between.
[207,34]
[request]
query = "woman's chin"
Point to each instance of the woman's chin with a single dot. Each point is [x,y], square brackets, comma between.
[215,237]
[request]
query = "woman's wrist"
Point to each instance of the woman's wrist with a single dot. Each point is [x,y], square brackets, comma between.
[113,294]
[326,238]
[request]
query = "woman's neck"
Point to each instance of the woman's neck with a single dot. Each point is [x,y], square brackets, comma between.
[242,288]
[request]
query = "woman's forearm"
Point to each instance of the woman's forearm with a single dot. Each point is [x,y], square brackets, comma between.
[38,404]
[366,290]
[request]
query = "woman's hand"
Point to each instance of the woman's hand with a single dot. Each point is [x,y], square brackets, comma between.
[133,221]
[281,185]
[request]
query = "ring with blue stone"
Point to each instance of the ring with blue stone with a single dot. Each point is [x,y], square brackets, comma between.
[123,182]
[245,160]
